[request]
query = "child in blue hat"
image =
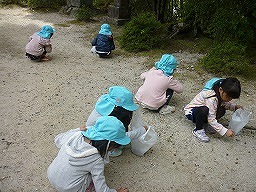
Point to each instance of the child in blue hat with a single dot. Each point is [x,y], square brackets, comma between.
[39,44]
[159,85]
[103,43]
[119,103]
[79,165]
[211,104]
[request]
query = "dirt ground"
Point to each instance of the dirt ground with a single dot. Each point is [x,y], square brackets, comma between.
[40,100]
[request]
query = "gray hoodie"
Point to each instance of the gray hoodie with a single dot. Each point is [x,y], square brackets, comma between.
[76,165]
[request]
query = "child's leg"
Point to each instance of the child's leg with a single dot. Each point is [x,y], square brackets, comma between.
[43,57]
[165,109]
[200,116]
[169,93]
[33,57]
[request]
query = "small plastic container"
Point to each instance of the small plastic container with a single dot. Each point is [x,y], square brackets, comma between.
[142,144]
[238,120]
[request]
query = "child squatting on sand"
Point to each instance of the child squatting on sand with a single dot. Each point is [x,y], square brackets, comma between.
[39,44]
[118,102]
[159,85]
[210,104]
[79,165]
[103,43]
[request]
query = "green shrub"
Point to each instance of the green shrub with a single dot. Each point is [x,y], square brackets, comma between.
[46,3]
[84,14]
[228,58]
[142,33]
[223,19]
[102,5]
[7,2]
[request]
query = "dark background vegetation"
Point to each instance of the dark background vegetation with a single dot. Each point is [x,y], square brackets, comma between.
[224,30]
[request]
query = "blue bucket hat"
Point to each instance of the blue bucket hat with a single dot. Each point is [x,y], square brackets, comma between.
[209,84]
[46,32]
[108,128]
[105,29]
[117,96]
[167,64]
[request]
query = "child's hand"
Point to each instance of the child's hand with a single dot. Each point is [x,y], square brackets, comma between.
[145,127]
[122,190]
[83,128]
[230,133]
[238,107]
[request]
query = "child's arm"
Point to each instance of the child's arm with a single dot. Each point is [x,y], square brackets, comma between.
[93,117]
[112,43]
[230,133]
[232,107]
[175,85]
[48,48]
[212,104]
[94,41]
[143,75]
[97,173]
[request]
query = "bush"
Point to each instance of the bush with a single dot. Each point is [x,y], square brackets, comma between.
[102,5]
[7,2]
[223,19]
[142,33]
[46,3]
[228,57]
[84,14]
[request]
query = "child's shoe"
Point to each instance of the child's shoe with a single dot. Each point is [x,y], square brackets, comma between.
[167,109]
[200,134]
[116,152]
[46,58]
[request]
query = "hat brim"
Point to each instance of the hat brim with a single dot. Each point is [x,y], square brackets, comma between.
[124,141]
[103,106]
[92,135]
[132,107]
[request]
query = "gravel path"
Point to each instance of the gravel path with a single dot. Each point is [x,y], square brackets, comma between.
[40,100]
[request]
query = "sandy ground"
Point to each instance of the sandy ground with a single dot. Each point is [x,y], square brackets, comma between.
[40,100]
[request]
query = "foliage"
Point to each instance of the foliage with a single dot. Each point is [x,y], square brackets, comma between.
[227,57]
[46,3]
[7,2]
[223,19]
[102,4]
[84,14]
[142,33]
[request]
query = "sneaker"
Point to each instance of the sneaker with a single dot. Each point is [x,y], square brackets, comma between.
[200,134]
[167,109]
[46,58]
[116,152]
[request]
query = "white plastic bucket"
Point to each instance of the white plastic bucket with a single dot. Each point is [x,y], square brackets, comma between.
[142,144]
[238,120]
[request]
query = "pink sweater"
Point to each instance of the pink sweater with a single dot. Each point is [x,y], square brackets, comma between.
[204,99]
[153,91]
[37,45]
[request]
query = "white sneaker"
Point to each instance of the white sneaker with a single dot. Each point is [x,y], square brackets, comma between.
[200,134]
[167,109]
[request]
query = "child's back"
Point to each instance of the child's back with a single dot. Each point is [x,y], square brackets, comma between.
[159,85]
[39,44]
[103,43]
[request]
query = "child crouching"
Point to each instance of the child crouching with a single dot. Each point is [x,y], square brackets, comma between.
[211,104]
